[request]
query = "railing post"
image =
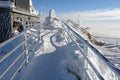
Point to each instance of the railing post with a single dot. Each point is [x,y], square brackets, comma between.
[69,35]
[26,46]
[39,34]
[65,36]
[85,65]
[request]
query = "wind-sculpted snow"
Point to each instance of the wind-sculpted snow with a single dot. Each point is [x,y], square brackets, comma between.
[48,63]
[63,56]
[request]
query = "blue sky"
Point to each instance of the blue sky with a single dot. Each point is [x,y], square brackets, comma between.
[102,16]
[65,6]
[86,10]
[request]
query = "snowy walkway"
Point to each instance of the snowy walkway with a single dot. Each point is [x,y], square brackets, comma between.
[48,64]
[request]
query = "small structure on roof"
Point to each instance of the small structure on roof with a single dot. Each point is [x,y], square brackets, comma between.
[51,21]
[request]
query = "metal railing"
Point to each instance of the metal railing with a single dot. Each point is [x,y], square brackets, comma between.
[94,66]
[16,52]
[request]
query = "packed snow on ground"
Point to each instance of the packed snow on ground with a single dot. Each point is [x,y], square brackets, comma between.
[50,62]
[61,60]
[56,56]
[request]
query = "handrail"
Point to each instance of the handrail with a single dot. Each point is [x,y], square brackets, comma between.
[11,65]
[106,61]
[9,53]
[9,40]
[12,77]
[89,35]
[97,73]
[24,45]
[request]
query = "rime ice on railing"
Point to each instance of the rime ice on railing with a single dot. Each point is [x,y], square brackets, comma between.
[16,52]
[92,64]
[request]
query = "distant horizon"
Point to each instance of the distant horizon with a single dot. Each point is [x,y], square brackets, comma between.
[83,9]
[96,14]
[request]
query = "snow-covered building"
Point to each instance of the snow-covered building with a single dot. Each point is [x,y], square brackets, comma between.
[12,10]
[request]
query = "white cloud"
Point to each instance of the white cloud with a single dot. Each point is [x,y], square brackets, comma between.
[101,22]
[105,14]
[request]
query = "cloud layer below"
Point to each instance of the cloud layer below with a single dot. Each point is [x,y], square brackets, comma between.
[106,14]
[101,22]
